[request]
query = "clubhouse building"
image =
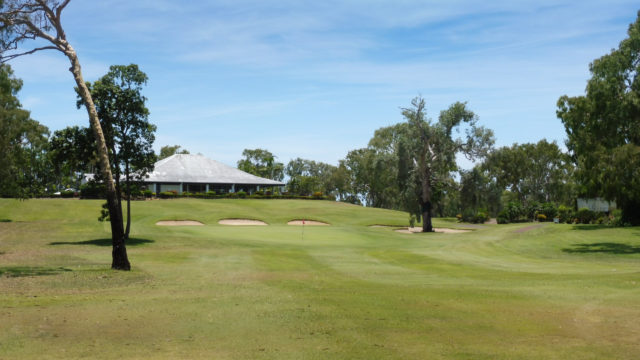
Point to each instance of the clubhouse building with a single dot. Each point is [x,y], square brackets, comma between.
[198,174]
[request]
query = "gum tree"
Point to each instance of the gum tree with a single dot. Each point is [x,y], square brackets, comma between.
[24,20]
[432,148]
[603,127]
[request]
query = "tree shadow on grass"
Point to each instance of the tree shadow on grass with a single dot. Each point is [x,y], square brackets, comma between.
[104,242]
[606,248]
[591,227]
[23,271]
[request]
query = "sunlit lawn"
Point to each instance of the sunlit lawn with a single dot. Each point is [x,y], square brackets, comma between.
[345,291]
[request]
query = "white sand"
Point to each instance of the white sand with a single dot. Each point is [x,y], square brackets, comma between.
[438,230]
[242,222]
[179,223]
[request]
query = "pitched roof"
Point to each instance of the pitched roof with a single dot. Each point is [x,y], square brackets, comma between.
[187,168]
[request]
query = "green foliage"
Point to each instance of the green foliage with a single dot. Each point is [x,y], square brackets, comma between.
[307,177]
[478,190]
[585,216]
[432,147]
[474,216]
[168,194]
[167,151]
[538,172]
[73,153]
[67,194]
[512,212]
[549,210]
[124,119]
[25,168]
[503,217]
[261,163]
[541,217]
[603,127]
[241,194]
[565,214]
[92,190]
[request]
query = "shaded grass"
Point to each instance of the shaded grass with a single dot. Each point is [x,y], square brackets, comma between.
[20,271]
[103,242]
[605,247]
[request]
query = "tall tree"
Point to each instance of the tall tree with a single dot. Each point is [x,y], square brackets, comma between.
[22,20]
[261,163]
[168,150]
[538,172]
[433,148]
[72,152]
[308,176]
[603,127]
[24,165]
[124,118]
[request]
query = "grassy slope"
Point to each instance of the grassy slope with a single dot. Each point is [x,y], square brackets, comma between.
[344,291]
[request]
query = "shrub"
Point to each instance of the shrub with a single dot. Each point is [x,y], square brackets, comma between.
[210,193]
[259,193]
[317,195]
[67,194]
[241,194]
[459,217]
[531,210]
[503,217]
[541,217]
[148,193]
[168,194]
[565,214]
[412,220]
[477,217]
[585,216]
[549,210]
[514,211]
[92,190]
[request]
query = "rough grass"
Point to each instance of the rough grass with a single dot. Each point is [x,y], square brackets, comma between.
[345,291]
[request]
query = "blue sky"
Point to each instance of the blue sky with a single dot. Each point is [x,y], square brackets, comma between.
[315,79]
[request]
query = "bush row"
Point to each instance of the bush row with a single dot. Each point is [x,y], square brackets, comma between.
[474,217]
[516,212]
[239,195]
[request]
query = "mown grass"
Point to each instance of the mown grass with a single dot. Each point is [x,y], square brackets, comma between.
[346,291]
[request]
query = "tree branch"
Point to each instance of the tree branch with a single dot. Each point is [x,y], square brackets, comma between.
[5,58]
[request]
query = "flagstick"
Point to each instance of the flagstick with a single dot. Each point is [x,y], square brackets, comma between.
[303,229]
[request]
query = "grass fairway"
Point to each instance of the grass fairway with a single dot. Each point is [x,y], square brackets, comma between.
[345,291]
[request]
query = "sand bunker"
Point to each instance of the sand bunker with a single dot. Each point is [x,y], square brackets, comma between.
[307,223]
[438,230]
[179,223]
[242,222]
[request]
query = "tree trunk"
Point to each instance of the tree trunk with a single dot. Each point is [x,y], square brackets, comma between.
[120,260]
[128,185]
[427,226]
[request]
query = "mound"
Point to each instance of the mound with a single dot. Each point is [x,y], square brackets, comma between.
[307,222]
[242,222]
[179,223]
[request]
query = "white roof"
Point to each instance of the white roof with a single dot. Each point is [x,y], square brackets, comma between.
[187,168]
